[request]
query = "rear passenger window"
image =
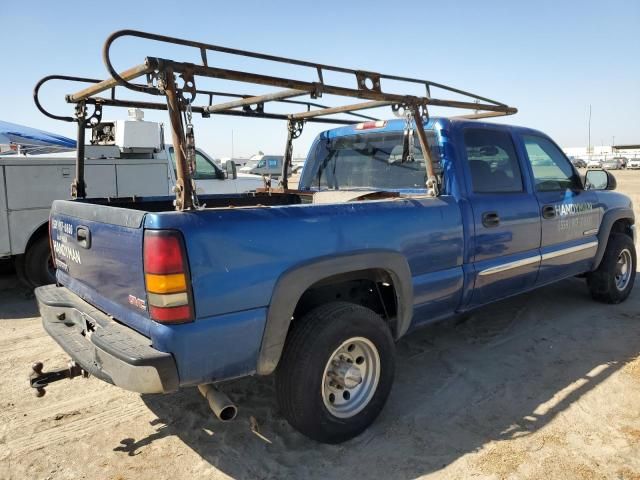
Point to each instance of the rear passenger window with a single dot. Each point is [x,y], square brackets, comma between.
[492,161]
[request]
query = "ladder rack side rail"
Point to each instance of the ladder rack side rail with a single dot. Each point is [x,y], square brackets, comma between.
[248,77]
[130,74]
[342,109]
[318,67]
[280,95]
[107,102]
[115,102]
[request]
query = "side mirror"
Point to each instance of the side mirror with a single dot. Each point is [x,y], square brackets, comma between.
[599,180]
[230,169]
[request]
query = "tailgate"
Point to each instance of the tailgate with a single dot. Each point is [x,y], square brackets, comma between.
[98,255]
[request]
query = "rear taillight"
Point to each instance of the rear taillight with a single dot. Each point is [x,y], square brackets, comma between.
[166,277]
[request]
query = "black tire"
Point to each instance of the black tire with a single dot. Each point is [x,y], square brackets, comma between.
[299,377]
[602,282]
[38,268]
[6,267]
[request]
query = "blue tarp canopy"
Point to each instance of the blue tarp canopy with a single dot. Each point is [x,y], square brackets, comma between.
[16,139]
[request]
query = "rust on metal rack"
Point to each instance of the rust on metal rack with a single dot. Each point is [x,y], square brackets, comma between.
[183,188]
[162,76]
[343,109]
[256,100]
[130,74]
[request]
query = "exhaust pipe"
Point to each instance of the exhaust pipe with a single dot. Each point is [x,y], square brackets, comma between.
[222,406]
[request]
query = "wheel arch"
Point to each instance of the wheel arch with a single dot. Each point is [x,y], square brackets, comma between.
[36,234]
[615,220]
[293,283]
[39,232]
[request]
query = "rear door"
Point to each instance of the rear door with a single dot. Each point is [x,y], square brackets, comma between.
[570,215]
[506,238]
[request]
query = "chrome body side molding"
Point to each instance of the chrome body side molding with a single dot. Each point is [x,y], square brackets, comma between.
[537,258]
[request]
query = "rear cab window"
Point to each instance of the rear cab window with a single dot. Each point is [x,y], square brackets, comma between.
[371,161]
[492,161]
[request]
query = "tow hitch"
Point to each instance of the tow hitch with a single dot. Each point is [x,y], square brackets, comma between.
[39,379]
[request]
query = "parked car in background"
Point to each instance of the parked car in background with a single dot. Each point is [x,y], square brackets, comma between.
[239,161]
[593,163]
[210,178]
[610,164]
[634,163]
[622,161]
[264,165]
[127,158]
[579,162]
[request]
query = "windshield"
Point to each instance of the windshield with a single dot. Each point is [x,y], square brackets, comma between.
[370,161]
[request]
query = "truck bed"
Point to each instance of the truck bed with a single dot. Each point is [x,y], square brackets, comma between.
[237,255]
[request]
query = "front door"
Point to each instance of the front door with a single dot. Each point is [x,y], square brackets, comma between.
[208,177]
[570,214]
[506,238]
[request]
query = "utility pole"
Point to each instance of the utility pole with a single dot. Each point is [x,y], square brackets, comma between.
[589,146]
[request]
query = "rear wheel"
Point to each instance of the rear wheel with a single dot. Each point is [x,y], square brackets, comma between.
[613,280]
[38,263]
[336,372]
[6,267]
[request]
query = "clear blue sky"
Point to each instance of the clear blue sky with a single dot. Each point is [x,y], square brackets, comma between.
[550,59]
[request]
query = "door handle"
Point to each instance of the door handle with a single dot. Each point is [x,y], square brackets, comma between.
[490,219]
[548,211]
[83,236]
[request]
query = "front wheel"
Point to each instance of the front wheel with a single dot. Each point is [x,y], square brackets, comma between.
[613,280]
[336,372]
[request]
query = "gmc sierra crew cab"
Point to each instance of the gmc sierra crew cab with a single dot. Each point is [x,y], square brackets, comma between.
[395,224]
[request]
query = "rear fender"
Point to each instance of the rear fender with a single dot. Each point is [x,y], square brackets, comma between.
[295,281]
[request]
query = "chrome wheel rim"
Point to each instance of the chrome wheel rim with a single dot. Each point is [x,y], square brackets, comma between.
[350,377]
[624,267]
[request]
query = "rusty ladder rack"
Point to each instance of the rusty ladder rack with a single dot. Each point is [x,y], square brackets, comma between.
[163,75]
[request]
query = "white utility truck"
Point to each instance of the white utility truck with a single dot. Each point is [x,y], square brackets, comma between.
[126,158]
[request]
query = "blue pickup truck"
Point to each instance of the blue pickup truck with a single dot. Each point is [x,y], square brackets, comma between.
[317,285]
[394,225]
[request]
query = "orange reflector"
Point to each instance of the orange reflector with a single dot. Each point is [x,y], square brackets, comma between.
[174,283]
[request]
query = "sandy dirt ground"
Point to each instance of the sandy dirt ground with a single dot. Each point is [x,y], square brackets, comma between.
[543,385]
